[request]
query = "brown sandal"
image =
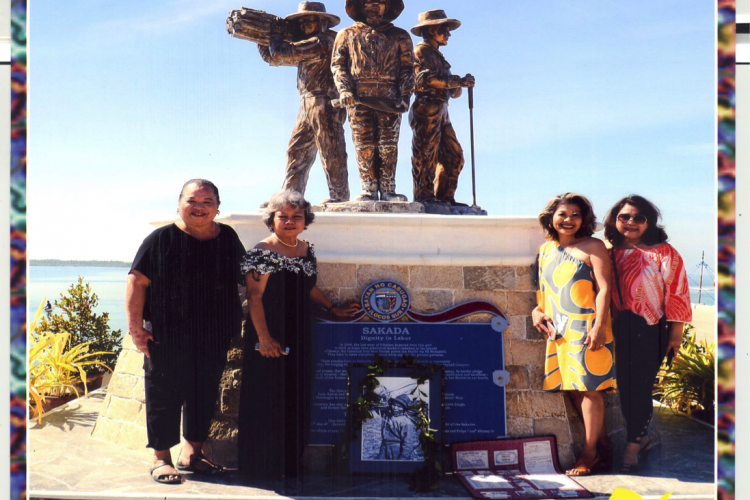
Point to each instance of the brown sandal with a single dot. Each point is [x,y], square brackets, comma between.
[584,467]
[200,465]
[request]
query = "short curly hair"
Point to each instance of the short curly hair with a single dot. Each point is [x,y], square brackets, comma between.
[588,226]
[201,183]
[653,234]
[287,198]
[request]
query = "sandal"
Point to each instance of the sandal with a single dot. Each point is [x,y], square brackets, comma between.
[200,465]
[643,455]
[584,467]
[645,452]
[629,468]
[168,478]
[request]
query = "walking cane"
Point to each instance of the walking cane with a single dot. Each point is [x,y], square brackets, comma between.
[471,126]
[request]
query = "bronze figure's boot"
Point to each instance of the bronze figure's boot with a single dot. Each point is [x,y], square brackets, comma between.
[365,163]
[387,179]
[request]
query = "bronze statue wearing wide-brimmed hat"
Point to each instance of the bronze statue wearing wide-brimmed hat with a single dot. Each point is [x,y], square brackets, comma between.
[437,156]
[435,17]
[314,9]
[320,126]
[393,9]
[373,67]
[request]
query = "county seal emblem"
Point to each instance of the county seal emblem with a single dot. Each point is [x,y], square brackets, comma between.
[385,301]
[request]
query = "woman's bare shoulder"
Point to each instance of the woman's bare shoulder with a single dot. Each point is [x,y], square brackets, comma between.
[263,245]
[592,245]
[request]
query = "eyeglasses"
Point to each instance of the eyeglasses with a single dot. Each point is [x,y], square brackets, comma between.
[639,219]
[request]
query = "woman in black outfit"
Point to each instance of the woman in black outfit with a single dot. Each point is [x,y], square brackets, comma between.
[183,307]
[281,272]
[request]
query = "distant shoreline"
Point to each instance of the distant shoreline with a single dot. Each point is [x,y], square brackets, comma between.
[79,263]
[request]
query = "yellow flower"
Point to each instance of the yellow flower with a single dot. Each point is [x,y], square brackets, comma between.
[623,494]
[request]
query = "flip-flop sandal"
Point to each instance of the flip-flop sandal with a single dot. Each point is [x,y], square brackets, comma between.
[169,478]
[583,467]
[208,469]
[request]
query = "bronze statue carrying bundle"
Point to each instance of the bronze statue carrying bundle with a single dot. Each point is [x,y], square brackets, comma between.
[319,126]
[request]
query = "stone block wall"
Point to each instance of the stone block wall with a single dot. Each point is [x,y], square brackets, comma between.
[530,411]
[123,417]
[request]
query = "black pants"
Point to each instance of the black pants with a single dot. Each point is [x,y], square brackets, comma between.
[186,380]
[639,351]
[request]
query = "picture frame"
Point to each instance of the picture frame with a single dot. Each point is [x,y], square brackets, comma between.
[389,442]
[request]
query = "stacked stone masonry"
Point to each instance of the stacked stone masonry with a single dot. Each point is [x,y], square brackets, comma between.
[530,411]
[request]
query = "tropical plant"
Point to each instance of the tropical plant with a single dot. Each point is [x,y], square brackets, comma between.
[689,384]
[84,326]
[56,366]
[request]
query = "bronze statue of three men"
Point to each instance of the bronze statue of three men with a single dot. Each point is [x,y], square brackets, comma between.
[371,69]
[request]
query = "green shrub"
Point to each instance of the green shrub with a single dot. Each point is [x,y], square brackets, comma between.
[689,384]
[55,366]
[84,325]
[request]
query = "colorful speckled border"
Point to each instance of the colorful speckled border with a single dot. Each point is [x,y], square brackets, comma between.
[18,252]
[726,253]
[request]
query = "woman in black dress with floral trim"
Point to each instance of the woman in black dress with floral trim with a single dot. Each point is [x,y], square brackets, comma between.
[281,272]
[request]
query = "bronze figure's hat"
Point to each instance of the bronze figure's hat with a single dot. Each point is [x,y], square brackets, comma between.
[434,18]
[394,9]
[314,9]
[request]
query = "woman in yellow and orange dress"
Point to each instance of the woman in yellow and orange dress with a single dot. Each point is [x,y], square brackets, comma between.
[574,274]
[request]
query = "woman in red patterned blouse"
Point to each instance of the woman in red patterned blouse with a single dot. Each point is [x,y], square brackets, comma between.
[651,302]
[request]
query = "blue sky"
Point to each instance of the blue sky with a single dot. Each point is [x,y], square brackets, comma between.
[127,100]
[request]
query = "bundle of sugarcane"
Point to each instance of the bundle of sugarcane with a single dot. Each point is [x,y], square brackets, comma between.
[256,25]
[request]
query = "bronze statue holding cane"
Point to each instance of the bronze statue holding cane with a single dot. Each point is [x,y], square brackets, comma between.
[437,156]
[373,67]
[320,126]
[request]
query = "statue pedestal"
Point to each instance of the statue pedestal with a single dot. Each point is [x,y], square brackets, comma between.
[372,207]
[399,207]
[442,261]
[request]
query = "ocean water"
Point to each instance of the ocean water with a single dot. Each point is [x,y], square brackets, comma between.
[108,283]
[708,296]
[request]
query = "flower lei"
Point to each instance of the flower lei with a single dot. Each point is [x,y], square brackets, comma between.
[425,477]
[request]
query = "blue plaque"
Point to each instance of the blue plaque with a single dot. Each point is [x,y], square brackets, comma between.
[472,354]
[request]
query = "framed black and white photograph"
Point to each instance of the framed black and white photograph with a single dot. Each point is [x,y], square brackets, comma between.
[389,441]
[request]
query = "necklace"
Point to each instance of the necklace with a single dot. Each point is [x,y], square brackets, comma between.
[296,242]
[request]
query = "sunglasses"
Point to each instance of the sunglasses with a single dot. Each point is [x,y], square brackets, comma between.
[639,219]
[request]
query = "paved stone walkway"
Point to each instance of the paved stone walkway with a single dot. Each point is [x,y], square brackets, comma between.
[66,463]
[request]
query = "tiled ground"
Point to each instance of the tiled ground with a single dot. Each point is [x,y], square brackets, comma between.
[66,463]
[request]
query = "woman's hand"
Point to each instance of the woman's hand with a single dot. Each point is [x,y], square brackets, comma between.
[543,323]
[346,311]
[135,300]
[595,339]
[140,337]
[342,311]
[269,348]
